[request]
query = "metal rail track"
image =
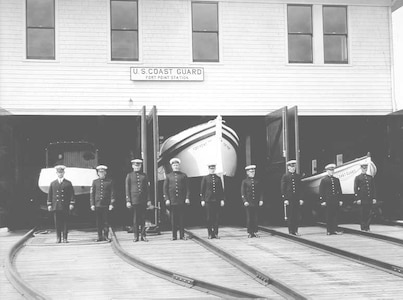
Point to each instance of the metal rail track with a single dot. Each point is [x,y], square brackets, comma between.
[392,269]
[264,279]
[14,277]
[177,278]
[368,234]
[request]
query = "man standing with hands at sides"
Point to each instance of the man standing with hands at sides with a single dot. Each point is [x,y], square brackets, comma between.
[60,201]
[252,197]
[102,199]
[364,190]
[212,197]
[137,197]
[291,191]
[330,192]
[176,195]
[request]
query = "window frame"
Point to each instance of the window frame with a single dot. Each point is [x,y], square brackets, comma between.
[334,34]
[27,27]
[217,60]
[111,58]
[311,34]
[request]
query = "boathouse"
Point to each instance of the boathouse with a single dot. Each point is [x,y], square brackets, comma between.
[127,74]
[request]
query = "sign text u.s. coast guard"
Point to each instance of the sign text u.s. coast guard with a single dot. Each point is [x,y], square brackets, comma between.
[166,74]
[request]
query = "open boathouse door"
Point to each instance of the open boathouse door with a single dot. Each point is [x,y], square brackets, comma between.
[150,140]
[282,144]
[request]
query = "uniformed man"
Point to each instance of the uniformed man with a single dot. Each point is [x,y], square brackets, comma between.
[102,199]
[291,191]
[364,190]
[212,197]
[176,195]
[252,197]
[330,196]
[60,201]
[137,198]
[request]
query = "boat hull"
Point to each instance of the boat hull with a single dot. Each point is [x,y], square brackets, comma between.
[199,146]
[346,174]
[81,178]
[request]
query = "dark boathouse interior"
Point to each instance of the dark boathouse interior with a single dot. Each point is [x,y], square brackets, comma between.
[23,140]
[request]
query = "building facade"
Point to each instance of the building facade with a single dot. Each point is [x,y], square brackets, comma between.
[81,70]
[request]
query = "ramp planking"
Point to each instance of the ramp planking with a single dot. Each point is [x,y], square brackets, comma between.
[316,274]
[191,259]
[83,269]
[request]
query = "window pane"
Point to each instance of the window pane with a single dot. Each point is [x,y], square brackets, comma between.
[299,19]
[335,49]
[205,46]
[124,14]
[204,17]
[335,19]
[300,48]
[124,45]
[40,43]
[40,13]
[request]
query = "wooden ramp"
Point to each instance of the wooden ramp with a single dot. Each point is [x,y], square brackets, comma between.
[317,274]
[375,249]
[83,269]
[7,240]
[193,260]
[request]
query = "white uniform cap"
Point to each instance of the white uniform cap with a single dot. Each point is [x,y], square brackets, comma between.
[175,160]
[102,167]
[60,167]
[250,167]
[291,162]
[330,167]
[211,164]
[364,165]
[136,161]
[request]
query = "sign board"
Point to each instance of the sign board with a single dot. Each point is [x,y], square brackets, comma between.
[166,74]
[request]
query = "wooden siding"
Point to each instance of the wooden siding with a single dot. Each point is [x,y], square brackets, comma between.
[252,77]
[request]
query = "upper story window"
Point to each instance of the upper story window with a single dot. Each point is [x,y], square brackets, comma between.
[205,31]
[40,26]
[299,33]
[124,30]
[335,34]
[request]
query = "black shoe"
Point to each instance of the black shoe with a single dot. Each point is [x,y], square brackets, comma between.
[58,241]
[144,239]
[338,232]
[183,238]
[135,240]
[330,233]
[65,241]
[174,239]
[209,237]
[251,235]
[99,240]
[256,235]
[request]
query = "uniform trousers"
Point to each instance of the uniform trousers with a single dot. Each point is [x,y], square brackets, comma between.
[332,211]
[212,214]
[251,219]
[139,220]
[293,216]
[101,218]
[177,216]
[365,210]
[61,218]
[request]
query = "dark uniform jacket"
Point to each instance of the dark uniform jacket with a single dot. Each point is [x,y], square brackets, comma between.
[211,188]
[137,188]
[176,188]
[251,191]
[291,186]
[330,190]
[102,193]
[60,195]
[364,188]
